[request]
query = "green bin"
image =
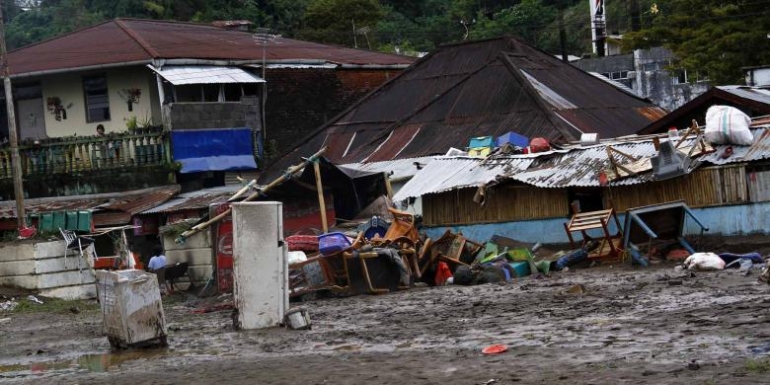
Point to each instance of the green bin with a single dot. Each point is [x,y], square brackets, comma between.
[46,222]
[59,220]
[84,220]
[71,220]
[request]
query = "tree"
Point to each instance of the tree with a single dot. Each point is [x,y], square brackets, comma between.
[333,21]
[709,36]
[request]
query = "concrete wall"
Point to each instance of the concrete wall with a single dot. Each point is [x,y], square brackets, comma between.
[607,63]
[650,77]
[724,220]
[659,87]
[69,88]
[189,115]
[196,251]
[758,77]
[42,266]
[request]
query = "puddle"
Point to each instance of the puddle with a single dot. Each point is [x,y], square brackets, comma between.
[96,363]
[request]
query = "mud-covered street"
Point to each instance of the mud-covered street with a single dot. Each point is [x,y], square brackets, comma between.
[599,325]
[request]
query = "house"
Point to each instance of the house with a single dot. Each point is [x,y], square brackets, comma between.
[646,72]
[530,197]
[163,90]
[754,101]
[471,89]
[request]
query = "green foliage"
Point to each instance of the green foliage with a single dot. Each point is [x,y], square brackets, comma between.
[333,21]
[710,36]
[759,365]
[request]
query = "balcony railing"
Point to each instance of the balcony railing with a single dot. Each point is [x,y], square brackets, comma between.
[63,155]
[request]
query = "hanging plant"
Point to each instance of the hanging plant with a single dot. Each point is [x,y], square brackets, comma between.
[55,108]
[131,96]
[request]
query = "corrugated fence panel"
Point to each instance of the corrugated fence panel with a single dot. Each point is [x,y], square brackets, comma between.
[503,204]
[705,187]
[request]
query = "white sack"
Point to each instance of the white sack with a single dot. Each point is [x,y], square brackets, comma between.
[704,261]
[728,125]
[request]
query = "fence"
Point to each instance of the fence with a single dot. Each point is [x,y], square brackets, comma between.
[88,154]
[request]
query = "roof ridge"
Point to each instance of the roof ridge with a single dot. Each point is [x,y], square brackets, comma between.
[57,37]
[139,40]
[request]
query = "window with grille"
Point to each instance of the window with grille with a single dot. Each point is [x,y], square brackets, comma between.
[97,100]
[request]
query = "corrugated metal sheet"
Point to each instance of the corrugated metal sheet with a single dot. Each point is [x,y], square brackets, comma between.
[135,40]
[109,209]
[759,150]
[195,200]
[475,89]
[752,93]
[451,173]
[575,167]
[181,75]
[398,169]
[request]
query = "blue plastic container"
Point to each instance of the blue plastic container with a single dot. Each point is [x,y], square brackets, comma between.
[571,258]
[482,141]
[332,243]
[514,139]
[521,268]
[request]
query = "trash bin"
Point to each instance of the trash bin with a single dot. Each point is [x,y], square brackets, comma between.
[132,310]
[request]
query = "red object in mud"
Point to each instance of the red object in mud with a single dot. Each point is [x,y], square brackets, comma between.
[495,349]
[442,273]
[27,232]
[677,255]
[539,145]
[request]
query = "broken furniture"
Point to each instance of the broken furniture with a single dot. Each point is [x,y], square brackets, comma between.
[314,275]
[610,247]
[402,234]
[657,226]
[454,249]
[74,242]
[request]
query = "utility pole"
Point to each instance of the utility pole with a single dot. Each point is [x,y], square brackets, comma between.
[563,36]
[18,188]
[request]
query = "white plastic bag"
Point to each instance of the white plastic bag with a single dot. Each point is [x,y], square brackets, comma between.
[704,261]
[728,125]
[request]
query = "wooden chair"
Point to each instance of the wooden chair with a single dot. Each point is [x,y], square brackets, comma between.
[610,245]
[454,249]
[403,234]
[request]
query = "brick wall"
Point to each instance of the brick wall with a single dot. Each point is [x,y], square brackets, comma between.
[301,100]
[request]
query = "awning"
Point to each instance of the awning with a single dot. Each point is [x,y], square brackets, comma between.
[181,75]
[228,149]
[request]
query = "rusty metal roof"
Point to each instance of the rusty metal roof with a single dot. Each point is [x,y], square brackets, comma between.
[195,200]
[109,209]
[471,89]
[139,41]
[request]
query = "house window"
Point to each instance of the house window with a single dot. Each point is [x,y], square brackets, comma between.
[232,92]
[97,101]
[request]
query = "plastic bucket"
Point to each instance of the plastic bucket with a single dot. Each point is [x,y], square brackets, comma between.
[298,319]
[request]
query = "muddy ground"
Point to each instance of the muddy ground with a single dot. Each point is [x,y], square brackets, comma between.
[623,325]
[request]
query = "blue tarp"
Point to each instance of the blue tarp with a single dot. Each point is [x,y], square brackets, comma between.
[214,149]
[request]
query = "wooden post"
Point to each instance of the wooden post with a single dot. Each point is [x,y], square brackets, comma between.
[321,201]
[18,188]
[388,186]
